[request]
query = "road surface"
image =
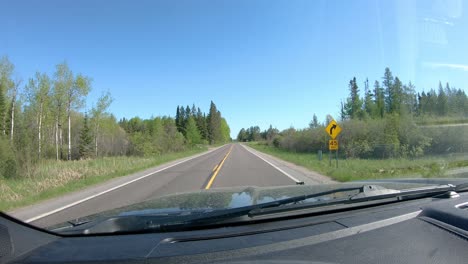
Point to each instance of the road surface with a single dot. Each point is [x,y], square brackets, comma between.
[227,166]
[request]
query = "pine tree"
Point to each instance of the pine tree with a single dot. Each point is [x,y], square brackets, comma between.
[353,106]
[188,113]
[442,107]
[86,140]
[343,112]
[409,104]
[388,86]
[419,104]
[356,101]
[423,109]
[369,105]
[201,124]
[181,127]
[194,111]
[431,105]
[313,124]
[396,92]
[214,124]
[177,119]
[379,99]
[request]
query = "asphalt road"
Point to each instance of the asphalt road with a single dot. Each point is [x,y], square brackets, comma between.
[227,166]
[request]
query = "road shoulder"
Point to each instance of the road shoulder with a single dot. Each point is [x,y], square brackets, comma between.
[300,173]
[29,213]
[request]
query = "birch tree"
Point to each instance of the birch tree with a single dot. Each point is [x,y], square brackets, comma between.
[38,93]
[75,95]
[13,95]
[62,83]
[97,113]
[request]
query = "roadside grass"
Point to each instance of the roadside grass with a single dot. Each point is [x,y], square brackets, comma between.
[364,169]
[54,178]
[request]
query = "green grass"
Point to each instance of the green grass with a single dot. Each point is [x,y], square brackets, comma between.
[360,169]
[54,178]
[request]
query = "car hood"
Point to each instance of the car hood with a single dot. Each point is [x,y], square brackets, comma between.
[223,198]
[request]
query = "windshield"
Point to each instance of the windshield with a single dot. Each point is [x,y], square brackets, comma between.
[137,108]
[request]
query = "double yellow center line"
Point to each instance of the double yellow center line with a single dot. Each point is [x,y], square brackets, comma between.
[216,170]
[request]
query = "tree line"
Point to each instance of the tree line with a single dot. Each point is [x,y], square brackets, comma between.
[159,135]
[383,122]
[198,127]
[254,133]
[44,117]
[394,97]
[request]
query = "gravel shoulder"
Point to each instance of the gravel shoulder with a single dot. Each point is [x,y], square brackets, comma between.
[301,173]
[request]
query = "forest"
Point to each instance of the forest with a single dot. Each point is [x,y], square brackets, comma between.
[45,117]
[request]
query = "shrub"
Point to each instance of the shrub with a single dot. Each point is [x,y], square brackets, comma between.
[8,165]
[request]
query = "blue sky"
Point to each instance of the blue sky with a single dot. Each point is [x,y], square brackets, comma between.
[261,62]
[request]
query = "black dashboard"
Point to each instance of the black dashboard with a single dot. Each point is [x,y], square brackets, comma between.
[429,230]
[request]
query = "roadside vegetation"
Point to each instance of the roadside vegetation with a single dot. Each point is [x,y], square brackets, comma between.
[52,178]
[363,169]
[387,131]
[51,142]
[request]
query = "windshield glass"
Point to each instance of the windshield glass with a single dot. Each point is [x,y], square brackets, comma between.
[137,108]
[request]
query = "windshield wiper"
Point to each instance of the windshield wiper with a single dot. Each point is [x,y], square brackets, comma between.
[151,223]
[143,223]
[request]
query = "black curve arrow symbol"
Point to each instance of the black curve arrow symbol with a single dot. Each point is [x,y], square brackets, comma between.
[331,129]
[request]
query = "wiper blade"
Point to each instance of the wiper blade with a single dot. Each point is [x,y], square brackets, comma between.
[151,223]
[441,191]
[142,223]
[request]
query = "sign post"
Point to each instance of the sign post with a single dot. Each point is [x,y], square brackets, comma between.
[333,130]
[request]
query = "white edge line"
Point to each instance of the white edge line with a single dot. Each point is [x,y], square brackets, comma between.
[114,188]
[274,166]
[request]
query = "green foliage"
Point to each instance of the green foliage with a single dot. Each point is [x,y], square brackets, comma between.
[242,135]
[2,107]
[154,136]
[379,100]
[212,128]
[369,105]
[8,165]
[250,134]
[200,118]
[384,124]
[353,107]
[6,84]
[225,131]
[47,119]
[214,125]
[85,148]
[191,132]
[313,124]
[98,112]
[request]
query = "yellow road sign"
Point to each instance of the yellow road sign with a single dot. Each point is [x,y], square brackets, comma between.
[333,129]
[333,144]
